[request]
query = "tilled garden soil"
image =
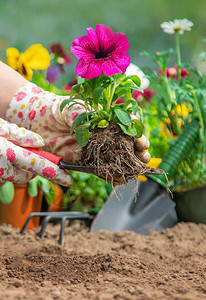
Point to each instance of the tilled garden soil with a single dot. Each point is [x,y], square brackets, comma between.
[163,265]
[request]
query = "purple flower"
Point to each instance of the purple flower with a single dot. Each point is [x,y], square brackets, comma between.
[53,73]
[102,51]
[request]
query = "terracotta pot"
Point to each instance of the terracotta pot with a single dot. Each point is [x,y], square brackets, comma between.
[57,203]
[191,205]
[20,208]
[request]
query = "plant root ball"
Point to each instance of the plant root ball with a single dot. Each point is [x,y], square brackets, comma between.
[112,154]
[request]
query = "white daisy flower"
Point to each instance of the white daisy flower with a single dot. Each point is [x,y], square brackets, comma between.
[132,69]
[177,25]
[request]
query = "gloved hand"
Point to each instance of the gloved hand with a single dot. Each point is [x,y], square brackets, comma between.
[20,165]
[38,110]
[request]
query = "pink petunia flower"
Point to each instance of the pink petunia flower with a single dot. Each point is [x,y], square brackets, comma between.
[49,172]
[1,172]
[102,51]
[32,114]
[19,96]
[11,156]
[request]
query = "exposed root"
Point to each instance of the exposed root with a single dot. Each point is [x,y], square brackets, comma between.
[112,154]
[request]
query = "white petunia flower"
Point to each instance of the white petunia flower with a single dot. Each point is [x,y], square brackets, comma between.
[134,70]
[177,25]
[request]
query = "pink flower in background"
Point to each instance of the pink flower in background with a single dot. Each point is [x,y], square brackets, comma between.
[172,72]
[146,96]
[49,172]
[62,57]
[120,100]
[102,51]
[10,155]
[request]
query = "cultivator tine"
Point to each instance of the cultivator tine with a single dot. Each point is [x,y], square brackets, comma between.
[61,235]
[63,216]
[44,225]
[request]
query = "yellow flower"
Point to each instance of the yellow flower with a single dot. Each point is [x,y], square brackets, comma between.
[154,163]
[36,57]
[183,110]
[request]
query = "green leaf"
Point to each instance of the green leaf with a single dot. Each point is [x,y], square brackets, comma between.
[77,87]
[80,79]
[82,117]
[7,192]
[65,102]
[134,78]
[103,124]
[139,127]
[132,87]
[123,116]
[128,130]
[82,135]
[97,93]
[135,106]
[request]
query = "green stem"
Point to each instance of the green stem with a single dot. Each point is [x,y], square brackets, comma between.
[179,64]
[111,94]
[173,103]
[198,112]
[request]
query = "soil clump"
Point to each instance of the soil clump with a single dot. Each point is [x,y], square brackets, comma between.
[111,152]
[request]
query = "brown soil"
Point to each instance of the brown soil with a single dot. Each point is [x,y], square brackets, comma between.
[112,154]
[164,265]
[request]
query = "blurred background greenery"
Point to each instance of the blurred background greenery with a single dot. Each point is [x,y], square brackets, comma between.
[24,22]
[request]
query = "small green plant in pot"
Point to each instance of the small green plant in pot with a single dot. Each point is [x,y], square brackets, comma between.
[107,130]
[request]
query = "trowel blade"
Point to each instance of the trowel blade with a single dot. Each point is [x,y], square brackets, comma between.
[138,207]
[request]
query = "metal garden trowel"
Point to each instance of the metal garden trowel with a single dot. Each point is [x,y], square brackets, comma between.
[146,206]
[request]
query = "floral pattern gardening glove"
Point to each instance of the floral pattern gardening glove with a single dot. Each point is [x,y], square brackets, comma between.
[20,165]
[39,111]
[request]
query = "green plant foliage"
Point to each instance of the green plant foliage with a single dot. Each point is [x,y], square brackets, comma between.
[87,192]
[99,96]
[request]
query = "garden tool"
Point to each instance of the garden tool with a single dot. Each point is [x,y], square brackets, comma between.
[147,206]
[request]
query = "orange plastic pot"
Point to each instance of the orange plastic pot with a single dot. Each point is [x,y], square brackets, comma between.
[20,208]
[57,203]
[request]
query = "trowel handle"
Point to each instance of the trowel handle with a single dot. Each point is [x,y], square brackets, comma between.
[178,152]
